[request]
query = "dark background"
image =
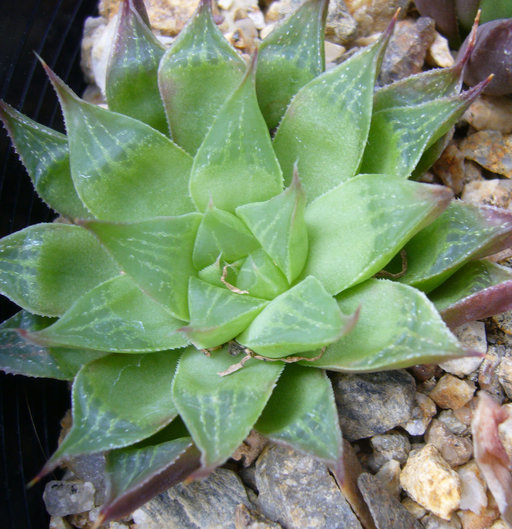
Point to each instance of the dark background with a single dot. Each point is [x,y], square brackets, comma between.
[30,409]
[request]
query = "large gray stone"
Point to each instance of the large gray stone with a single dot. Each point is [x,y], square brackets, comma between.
[387,512]
[68,497]
[298,492]
[204,504]
[373,403]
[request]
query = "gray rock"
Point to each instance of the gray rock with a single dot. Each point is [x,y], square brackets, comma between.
[298,492]
[90,467]
[456,450]
[387,512]
[407,49]
[373,403]
[394,445]
[447,417]
[204,504]
[68,497]
[340,27]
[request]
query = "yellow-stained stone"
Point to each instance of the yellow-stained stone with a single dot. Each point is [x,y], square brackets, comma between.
[429,481]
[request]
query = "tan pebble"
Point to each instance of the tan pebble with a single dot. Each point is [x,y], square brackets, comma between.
[333,52]
[429,480]
[504,322]
[488,375]
[450,168]
[452,393]
[474,496]
[422,413]
[375,15]
[491,149]
[505,375]
[465,414]
[494,192]
[414,508]
[483,519]
[505,432]
[456,450]
[490,113]
[166,16]
[439,53]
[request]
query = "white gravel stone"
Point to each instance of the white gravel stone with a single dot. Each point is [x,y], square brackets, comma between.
[422,413]
[473,495]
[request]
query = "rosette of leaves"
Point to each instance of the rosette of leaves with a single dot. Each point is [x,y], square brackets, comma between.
[204,273]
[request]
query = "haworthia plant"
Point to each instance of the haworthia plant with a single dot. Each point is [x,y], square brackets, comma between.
[209,268]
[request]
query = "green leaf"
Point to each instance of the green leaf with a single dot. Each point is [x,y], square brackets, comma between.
[303,318]
[18,356]
[217,315]
[117,401]
[46,267]
[115,316]
[123,169]
[289,57]
[157,254]
[236,164]
[462,232]
[397,327]
[197,74]
[302,413]
[138,473]
[132,74]
[261,277]
[219,411]
[345,251]
[280,228]
[476,291]
[326,126]
[221,234]
[220,273]
[419,88]
[45,154]
[399,135]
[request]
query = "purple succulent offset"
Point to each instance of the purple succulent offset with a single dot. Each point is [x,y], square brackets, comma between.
[204,273]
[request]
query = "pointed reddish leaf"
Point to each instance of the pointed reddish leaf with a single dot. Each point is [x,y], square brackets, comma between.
[289,57]
[325,128]
[197,74]
[477,290]
[19,356]
[123,169]
[399,135]
[220,411]
[462,233]
[118,400]
[45,154]
[398,327]
[302,413]
[138,473]
[45,268]
[132,80]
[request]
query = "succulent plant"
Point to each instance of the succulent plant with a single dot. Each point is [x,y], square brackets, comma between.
[204,273]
